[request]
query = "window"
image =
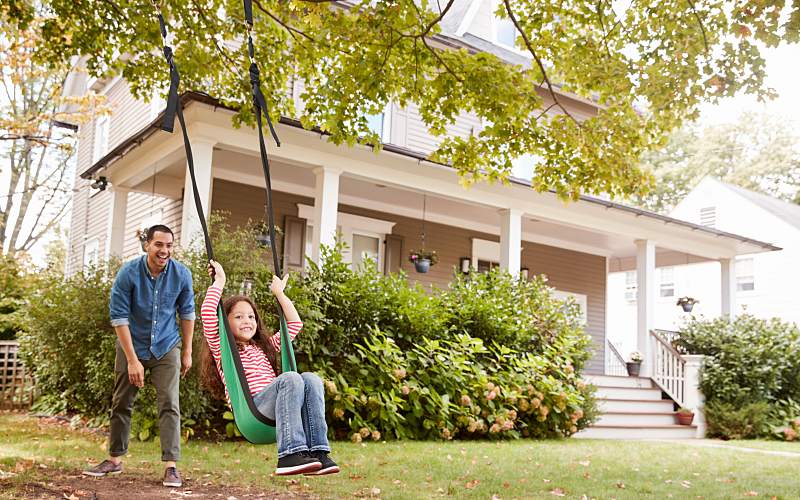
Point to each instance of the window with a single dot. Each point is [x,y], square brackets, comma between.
[365,247]
[630,286]
[745,276]
[380,123]
[667,287]
[91,253]
[505,32]
[484,266]
[708,216]
[363,236]
[100,138]
[579,299]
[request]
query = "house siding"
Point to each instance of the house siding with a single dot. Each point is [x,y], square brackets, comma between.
[566,270]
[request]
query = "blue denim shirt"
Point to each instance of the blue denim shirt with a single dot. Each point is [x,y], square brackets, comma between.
[148,305]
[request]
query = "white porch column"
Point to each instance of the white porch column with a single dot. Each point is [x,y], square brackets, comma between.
[116,224]
[203,154]
[510,240]
[693,398]
[728,288]
[645,301]
[326,209]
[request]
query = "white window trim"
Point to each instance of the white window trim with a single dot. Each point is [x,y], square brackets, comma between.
[484,250]
[349,224]
[580,298]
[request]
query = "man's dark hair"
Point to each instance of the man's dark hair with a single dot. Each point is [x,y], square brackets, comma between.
[161,228]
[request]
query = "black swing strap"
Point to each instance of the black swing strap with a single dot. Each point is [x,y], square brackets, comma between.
[174,107]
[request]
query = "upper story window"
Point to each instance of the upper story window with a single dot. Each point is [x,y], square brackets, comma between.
[100,138]
[667,285]
[505,33]
[630,286]
[745,275]
[380,123]
[708,216]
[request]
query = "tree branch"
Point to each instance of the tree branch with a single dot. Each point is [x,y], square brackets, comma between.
[700,23]
[538,61]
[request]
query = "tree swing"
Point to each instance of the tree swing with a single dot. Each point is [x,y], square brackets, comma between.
[254,426]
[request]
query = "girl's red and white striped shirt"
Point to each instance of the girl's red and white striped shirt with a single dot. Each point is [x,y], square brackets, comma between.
[257,368]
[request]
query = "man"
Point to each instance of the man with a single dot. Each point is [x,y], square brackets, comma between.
[147,294]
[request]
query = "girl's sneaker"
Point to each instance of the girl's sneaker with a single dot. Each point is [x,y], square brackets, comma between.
[297,463]
[328,465]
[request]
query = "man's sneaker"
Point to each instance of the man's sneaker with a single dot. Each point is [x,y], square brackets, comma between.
[297,463]
[172,478]
[328,465]
[104,468]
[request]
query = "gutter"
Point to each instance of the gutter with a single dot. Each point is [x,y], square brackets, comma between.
[188,97]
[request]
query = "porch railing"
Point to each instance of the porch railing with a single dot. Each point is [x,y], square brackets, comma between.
[615,363]
[669,368]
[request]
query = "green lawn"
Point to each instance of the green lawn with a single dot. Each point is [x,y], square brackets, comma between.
[519,469]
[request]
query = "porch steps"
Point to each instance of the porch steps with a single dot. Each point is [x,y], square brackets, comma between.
[633,408]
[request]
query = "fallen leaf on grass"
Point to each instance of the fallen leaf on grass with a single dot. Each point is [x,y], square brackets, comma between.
[558,492]
[71,497]
[686,484]
[620,485]
[472,484]
[495,497]
[751,494]
[546,480]
[585,463]
[506,485]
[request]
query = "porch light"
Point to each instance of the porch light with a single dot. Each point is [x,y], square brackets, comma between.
[523,273]
[465,264]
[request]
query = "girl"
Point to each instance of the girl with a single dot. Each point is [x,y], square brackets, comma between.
[295,401]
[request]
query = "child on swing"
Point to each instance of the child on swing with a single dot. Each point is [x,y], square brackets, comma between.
[295,401]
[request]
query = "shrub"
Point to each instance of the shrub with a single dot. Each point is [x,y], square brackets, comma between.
[728,421]
[14,285]
[452,388]
[748,360]
[491,356]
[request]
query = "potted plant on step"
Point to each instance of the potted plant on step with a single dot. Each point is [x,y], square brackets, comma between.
[635,364]
[687,303]
[685,416]
[423,259]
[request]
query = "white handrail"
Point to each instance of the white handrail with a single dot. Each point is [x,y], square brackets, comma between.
[669,368]
[615,363]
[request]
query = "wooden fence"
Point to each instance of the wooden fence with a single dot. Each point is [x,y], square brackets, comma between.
[16,384]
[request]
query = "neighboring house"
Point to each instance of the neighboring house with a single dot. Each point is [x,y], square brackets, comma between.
[374,200]
[765,283]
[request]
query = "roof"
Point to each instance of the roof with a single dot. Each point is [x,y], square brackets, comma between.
[784,210]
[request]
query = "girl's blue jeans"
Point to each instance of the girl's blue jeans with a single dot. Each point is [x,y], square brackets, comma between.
[296,401]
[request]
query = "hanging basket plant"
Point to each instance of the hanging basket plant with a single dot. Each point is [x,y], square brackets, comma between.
[687,303]
[423,259]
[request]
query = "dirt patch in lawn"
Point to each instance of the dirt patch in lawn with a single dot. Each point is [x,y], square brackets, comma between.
[72,485]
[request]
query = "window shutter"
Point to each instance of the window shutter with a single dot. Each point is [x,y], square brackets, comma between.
[294,242]
[393,257]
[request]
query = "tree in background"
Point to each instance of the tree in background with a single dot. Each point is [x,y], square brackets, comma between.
[757,151]
[355,57]
[35,154]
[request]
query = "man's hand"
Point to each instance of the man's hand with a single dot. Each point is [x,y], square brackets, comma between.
[186,362]
[136,373]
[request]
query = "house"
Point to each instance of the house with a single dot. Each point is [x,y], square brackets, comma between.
[765,283]
[379,202]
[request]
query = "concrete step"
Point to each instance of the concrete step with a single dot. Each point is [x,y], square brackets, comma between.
[614,381]
[635,406]
[632,393]
[637,418]
[638,432]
